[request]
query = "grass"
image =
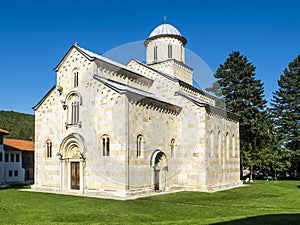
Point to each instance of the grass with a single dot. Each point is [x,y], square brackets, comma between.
[261,202]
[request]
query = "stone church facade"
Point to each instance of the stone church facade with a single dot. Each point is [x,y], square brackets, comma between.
[107,129]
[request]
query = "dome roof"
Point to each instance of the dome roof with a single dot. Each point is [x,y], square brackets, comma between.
[164,29]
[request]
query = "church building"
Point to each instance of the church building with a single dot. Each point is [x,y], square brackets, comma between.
[114,130]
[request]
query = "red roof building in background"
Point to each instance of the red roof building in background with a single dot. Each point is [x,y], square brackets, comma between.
[16,159]
[16,144]
[4,132]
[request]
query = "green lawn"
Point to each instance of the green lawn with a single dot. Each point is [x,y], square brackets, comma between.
[261,202]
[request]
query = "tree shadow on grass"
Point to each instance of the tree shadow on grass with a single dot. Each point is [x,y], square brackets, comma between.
[281,219]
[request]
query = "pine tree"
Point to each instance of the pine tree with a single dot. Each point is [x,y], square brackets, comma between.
[273,156]
[244,95]
[286,111]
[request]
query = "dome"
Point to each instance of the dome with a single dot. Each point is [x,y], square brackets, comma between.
[164,29]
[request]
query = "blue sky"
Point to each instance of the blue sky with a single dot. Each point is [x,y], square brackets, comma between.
[35,35]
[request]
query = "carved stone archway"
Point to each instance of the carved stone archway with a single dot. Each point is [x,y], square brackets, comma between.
[72,162]
[159,165]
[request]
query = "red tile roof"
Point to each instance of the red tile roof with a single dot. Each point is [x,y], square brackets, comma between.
[4,132]
[15,144]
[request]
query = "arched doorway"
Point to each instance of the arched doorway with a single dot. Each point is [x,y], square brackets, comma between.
[160,168]
[73,154]
[72,160]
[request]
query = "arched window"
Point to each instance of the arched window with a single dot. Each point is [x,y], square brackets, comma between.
[233,145]
[139,145]
[219,145]
[74,112]
[227,145]
[49,149]
[172,146]
[75,78]
[105,145]
[212,144]
[169,51]
[73,103]
[155,53]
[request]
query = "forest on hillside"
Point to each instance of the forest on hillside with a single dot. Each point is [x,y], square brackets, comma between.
[19,125]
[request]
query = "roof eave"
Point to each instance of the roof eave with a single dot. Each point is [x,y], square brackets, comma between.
[4,132]
[65,56]
[182,83]
[134,74]
[181,38]
[155,70]
[43,99]
[141,96]
[210,108]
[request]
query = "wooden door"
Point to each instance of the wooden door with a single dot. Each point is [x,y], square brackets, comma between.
[156,180]
[75,176]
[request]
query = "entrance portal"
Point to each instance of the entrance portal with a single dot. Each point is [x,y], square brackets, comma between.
[75,175]
[160,168]
[72,163]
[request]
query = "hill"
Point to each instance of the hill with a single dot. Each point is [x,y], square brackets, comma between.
[19,125]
